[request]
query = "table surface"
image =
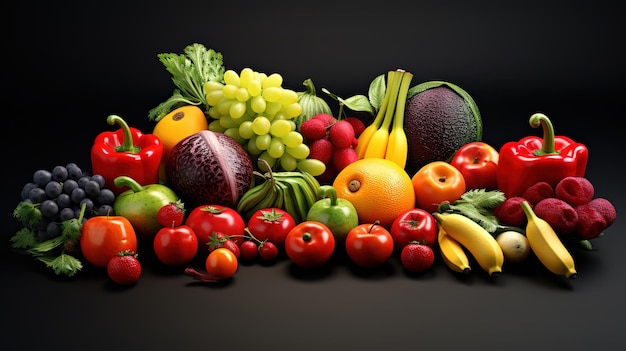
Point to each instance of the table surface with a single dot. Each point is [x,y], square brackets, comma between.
[74,66]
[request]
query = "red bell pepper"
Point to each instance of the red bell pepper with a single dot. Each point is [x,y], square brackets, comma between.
[532,159]
[126,152]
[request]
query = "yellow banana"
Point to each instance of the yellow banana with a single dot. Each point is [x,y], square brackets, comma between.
[397,146]
[366,135]
[476,239]
[547,246]
[377,145]
[452,253]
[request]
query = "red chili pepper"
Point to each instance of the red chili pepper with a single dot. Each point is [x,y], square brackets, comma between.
[128,152]
[532,159]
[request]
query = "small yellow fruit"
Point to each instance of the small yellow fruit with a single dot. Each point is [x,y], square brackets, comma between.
[515,246]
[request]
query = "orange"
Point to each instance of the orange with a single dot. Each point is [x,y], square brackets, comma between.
[379,189]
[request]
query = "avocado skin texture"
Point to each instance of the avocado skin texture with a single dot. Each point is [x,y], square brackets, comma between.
[437,122]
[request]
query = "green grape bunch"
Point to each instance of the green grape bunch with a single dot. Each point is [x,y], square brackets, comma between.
[254,109]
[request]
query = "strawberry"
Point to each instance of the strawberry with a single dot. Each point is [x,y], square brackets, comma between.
[172,214]
[417,257]
[124,268]
[219,239]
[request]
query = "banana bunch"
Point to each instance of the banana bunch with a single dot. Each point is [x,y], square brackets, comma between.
[292,191]
[547,246]
[452,252]
[476,239]
[377,140]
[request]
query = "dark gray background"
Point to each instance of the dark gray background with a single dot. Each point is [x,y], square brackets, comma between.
[68,65]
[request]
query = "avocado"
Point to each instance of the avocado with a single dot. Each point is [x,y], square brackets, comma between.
[439,118]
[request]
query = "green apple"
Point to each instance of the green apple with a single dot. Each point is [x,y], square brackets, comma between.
[339,215]
[141,204]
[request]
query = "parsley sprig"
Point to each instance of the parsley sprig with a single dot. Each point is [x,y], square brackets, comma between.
[478,205]
[190,71]
[55,252]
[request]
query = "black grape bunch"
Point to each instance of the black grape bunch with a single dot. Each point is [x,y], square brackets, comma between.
[59,195]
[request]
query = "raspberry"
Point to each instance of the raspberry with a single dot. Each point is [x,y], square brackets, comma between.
[357,125]
[343,157]
[538,192]
[574,190]
[590,223]
[341,134]
[510,212]
[313,129]
[606,208]
[321,149]
[561,216]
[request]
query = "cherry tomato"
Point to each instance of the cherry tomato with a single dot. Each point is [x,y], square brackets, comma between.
[248,250]
[436,182]
[175,246]
[478,162]
[271,224]
[103,237]
[309,244]
[221,263]
[268,251]
[414,225]
[369,245]
[207,219]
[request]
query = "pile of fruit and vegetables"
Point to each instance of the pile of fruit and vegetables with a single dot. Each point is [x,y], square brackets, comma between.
[240,168]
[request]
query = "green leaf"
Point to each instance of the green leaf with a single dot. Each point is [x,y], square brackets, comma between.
[44,247]
[63,264]
[24,239]
[482,198]
[376,92]
[29,213]
[359,103]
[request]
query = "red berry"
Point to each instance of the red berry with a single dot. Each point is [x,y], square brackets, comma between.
[124,268]
[357,125]
[341,134]
[328,120]
[268,251]
[574,190]
[343,157]
[510,212]
[606,208]
[249,250]
[417,258]
[321,149]
[561,216]
[590,223]
[313,129]
[172,214]
[538,192]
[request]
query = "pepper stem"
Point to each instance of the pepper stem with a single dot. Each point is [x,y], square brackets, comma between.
[325,191]
[127,144]
[547,147]
[122,181]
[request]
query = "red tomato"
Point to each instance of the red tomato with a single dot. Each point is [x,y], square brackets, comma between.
[271,224]
[207,219]
[478,162]
[436,182]
[309,244]
[414,225]
[103,237]
[221,263]
[369,245]
[175,246]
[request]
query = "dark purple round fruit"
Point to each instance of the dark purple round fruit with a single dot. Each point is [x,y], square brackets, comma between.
[209,168]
